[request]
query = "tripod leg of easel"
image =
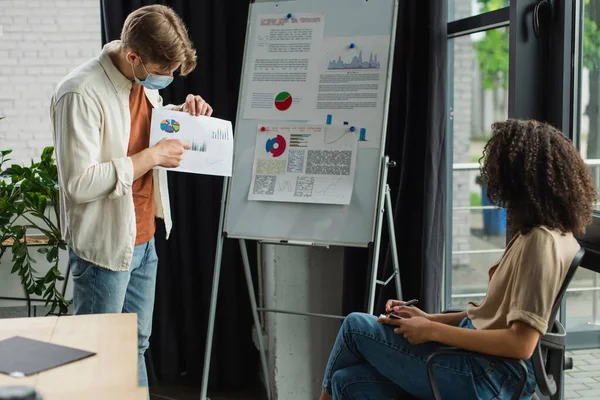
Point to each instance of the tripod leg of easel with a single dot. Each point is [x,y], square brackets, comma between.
[392,234]
[377,244]
[261,345]
[213,298]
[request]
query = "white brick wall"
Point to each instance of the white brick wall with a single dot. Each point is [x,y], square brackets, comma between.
[40,42]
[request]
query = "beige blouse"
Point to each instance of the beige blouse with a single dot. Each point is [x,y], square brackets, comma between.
[525,281]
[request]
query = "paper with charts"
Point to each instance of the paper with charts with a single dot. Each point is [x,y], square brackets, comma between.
[211,139]
[352,83]
[284,54]
[304,164]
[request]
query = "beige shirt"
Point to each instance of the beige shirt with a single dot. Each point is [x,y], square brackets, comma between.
[90,125]
[525,282]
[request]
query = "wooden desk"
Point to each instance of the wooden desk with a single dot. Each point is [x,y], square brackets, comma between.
[110,374]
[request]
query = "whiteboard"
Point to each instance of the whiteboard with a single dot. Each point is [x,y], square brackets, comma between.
[352,225]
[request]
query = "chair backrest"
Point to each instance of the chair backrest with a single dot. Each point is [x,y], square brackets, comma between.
[549,356]
[563,288]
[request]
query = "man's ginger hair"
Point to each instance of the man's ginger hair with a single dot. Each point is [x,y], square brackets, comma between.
[160,37]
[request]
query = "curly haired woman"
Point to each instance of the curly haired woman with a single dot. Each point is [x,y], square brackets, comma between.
[533,171]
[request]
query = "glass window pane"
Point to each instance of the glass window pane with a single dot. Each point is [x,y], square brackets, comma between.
[583,296]
[583,313]
[459,9]
[479,84]
[589,88]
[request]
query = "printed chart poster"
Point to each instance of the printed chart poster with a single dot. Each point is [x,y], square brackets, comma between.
[285,54]
[211,139]
[352,85]
[304,164]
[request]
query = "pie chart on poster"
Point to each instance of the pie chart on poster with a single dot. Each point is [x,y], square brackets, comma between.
[276,146]
[283,101]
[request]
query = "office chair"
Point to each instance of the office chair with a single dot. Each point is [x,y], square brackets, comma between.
[548,358]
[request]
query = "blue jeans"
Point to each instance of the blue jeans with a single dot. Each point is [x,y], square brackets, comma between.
[370,361]
[98,290]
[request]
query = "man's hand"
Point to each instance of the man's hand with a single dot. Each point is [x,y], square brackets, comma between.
[416,330]
[168,152]
[397,307]
[195,105]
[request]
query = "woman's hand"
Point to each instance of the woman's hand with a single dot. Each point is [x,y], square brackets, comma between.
[416,330]
[397,307]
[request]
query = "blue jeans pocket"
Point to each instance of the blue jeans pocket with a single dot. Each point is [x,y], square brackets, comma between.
[78,266]
[509,387]
[506,384]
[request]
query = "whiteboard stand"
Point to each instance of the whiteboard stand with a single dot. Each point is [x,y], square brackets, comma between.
[358,225]
[385,206]
[213,303]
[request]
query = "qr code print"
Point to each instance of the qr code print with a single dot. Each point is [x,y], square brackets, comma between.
[296,161]
[304,186]
[264,184]
[328,162]
[270,167]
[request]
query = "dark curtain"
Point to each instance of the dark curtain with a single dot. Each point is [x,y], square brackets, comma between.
[416,140]
[185,274]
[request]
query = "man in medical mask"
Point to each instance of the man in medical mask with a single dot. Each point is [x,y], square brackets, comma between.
[110,191]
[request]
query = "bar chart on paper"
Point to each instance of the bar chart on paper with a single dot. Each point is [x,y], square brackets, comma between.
[299,139]
[198,145]
[220,134]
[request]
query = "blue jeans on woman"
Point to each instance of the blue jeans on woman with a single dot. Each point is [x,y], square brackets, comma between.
[98,290]
[369,361]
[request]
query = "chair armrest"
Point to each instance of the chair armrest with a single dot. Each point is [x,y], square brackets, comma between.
[549,361]
[451,351]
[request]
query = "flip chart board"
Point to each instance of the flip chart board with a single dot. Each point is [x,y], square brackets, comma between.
[310,62]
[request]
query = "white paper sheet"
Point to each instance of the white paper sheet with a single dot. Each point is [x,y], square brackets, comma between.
[304,164]
[285,56]
[352,85]
[211,140]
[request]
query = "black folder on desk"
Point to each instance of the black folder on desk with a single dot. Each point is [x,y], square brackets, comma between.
[20,356]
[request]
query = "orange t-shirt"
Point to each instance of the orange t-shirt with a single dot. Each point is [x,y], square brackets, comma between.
[143,187]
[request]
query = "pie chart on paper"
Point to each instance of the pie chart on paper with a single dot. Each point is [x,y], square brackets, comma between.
[283,101]
[170,126]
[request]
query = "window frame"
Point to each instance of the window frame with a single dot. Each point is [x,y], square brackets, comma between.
[479,23]
[458,28]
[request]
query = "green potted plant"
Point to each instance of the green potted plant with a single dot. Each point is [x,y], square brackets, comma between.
[29,219]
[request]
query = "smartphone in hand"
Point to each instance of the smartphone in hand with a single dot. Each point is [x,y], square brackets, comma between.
[392,316]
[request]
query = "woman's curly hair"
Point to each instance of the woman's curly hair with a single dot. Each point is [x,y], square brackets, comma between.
[531,169]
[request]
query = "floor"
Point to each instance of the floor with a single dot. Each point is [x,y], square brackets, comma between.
[583,382]
[181,393]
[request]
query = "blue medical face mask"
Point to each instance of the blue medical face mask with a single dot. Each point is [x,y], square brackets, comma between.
[152,81]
